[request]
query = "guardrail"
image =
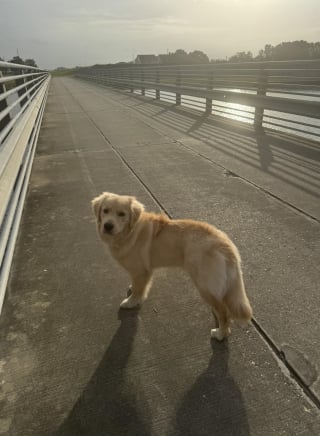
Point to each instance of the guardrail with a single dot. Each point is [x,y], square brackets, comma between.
[280,95]
[23,93]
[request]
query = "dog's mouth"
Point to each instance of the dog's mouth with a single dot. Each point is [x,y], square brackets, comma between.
[108,232]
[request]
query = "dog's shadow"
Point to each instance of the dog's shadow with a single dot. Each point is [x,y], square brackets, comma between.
[107,406]
[214,404]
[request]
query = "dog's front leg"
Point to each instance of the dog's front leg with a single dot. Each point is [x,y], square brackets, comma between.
[139,290]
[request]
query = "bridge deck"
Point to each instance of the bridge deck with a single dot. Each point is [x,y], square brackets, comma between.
[72,364]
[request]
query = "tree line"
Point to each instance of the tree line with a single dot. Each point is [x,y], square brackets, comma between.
[294,50]
[286,51]
[181,57]
[18,60]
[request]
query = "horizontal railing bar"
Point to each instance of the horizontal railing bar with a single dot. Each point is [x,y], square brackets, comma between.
[6,111]
[18,199]
[183,69]
[303,94]
[230,109]
[193,103]
[10,65]
[17,152]
[220,83]
[18,88]
[5,131]
[5,79]
[288,128]
[270,65]
[230,114]
[302,123]
[296,107]
[23,91]
[6,226]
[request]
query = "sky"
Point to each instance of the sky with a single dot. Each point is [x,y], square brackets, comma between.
[71,33]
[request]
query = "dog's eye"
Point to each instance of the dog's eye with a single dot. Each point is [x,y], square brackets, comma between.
[105,210]
[121,214]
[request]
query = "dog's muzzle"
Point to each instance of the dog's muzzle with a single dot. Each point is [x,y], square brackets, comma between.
[108,227]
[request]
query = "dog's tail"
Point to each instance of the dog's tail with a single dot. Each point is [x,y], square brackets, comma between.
[237,301]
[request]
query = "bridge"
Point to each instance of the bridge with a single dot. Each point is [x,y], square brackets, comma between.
[72,363]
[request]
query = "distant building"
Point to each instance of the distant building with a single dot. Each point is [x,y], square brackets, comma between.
[147,59]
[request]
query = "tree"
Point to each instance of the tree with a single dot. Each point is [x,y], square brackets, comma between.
[315,50]
[198,57]
[181,57]
[294,50]
[291,50]
[268,52]
[30,63]
[241,56]
[17,60]
[180,52]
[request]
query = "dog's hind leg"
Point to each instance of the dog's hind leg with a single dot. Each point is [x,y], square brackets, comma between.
[221,315]
[238,304]
[210,280]
[139,290]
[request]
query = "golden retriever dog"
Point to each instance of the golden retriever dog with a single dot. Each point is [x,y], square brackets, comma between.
[142,241]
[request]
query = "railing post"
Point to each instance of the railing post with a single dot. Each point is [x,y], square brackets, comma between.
[28,86]
[23,90]
[120,77]
[3,105]
[109,77]
[96,76]
[130,81]
[158,81]
[178,83]
[209,87]
[261,90]
[143,89]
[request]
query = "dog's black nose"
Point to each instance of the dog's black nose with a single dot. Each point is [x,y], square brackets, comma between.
[108,226]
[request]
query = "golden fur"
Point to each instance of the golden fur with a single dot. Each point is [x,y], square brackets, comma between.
[141,241]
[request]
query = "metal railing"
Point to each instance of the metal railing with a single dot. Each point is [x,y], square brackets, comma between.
[279,95]
[23,92]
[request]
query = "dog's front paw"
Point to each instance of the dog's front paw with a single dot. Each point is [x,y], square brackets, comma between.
[130,302]
[219,334]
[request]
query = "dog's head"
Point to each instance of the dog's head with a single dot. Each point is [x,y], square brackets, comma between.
[115,214]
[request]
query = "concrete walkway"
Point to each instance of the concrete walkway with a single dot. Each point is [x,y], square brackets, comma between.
[71,363]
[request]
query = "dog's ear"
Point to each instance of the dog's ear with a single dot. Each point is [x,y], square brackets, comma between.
[96,207]
[136,208]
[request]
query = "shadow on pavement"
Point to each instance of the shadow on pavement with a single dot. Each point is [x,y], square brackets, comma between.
[107,406]
[214,404]
[287,157]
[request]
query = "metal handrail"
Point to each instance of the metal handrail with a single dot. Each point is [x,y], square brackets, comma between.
[17,101]
[280,87]
[21,110]
[5,95]
[19,76]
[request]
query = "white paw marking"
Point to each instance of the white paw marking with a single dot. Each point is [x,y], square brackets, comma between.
[130,302]
[219,335]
